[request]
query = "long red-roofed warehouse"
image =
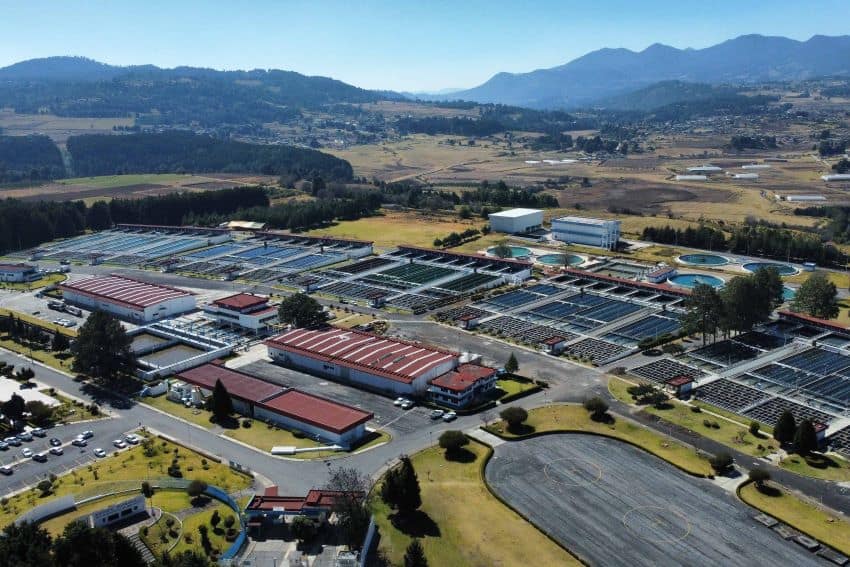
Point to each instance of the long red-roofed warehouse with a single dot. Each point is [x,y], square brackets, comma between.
[379,363]
[128,298]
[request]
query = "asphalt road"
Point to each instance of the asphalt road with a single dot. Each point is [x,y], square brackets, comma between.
[613,504]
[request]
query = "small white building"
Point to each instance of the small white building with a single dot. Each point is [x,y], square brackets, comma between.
[18,273]
[117,512]
[755,166]
[803,198]
[705,169]
[604,233]
[244,311]
[750,176]
[516,221]
[836,177]
[691,178]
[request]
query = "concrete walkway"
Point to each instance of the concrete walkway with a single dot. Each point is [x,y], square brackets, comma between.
[487,438]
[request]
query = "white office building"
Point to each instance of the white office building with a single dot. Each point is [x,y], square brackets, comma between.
[590,232]
[516,221]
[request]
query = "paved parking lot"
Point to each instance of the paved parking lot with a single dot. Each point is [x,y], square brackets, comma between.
[386,414]
[613,504]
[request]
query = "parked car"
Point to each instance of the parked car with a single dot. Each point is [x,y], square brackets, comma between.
[407,404]
[119,443]
[25,436]
[99,452]
[399,401]
[40,458]
[55,305]
[13,441]
[449,416]
[87,434]
[55,441]
[79,442]
[132,439]
[39,432]
[6,469]
[27,452]
[56,451]
[437,414]
[4,446]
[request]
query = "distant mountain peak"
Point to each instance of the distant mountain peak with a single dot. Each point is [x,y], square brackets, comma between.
[607,72]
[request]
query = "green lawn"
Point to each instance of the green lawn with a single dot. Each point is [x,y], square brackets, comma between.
[197,416]
[191,538]
[569,417]
[159,537]
[45,281]
[112,181]
[737,436]
[44,356]
[264,437]
[465,525]
[830,529]
[124,471]
[510,386]
[68,411]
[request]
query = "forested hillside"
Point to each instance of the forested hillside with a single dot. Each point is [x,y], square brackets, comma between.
[32,158]
[184,152]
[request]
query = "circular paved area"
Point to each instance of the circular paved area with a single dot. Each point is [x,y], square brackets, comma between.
[613,504]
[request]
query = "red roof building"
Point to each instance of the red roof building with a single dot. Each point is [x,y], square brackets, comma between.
[128,298]
[382,363]
[271,507]
[461,386]
[243,387]
[317,411]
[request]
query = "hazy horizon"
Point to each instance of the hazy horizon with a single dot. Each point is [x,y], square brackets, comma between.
[384,45]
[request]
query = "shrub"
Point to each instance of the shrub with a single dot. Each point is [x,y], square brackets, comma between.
[754,428]
[173,534]
[169,521]
[196,488]
[596,406]
[229,520]
[144,531]
[453,441]
[707,423]
[696,409]
[514,416]
[721,462]
[759,476]
[246,423]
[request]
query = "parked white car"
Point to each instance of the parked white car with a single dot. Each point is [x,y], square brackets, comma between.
[99,452]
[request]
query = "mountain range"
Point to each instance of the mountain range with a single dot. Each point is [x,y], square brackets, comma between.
[606,73]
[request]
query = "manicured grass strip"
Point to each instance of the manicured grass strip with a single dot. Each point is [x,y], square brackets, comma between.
[463,523]
[574,418]
[803,516]
[45,281]
[217,537]
[825,467]
[193,415]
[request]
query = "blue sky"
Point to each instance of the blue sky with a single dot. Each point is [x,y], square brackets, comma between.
[423,45]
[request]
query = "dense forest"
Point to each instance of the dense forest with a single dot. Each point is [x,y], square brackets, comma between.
[183,95]
[29,158]
[184,152]
[769,242]
[838,228]
[456,126]
[494,118]
[496,195]
[25,224]
[503,196]
[302,215]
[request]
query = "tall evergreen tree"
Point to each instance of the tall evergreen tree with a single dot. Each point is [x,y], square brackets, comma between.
[805,438]
[704,311]
[301,310]
[785,427]
[25,545]
[512,365]
[222,405]
[414,556]
[102,347]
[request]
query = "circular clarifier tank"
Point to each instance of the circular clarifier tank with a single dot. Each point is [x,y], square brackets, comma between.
[690,281]
[516,251]
[703,259]
[783,269]
[560,259]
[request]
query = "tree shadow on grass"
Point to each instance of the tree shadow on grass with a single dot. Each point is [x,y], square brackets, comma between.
[200,501]
[461,456]
[521,429]
[229,422]
[819,461]
[769,490]
[605,418]
[415,524]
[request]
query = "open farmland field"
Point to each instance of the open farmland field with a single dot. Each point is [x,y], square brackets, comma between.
[58,128]
[394,228]
[127,186]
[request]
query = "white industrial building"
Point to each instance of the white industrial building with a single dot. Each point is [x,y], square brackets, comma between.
[751,176]
[704,169]
[836,177]
[244,311]
[755,166]
[128,298]
[691,178]
[604,233]
[18,273]
[516,221]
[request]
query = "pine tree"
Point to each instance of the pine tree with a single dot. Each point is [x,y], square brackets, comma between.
[409,496]
[511,365]
[415,555]
[805,438]
[785,428]
[222,405]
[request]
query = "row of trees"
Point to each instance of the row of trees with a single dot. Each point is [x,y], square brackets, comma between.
[301,215]
[30,545]
[766,241]
[185,152]
[755,142]
[25,224]
[503,196]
